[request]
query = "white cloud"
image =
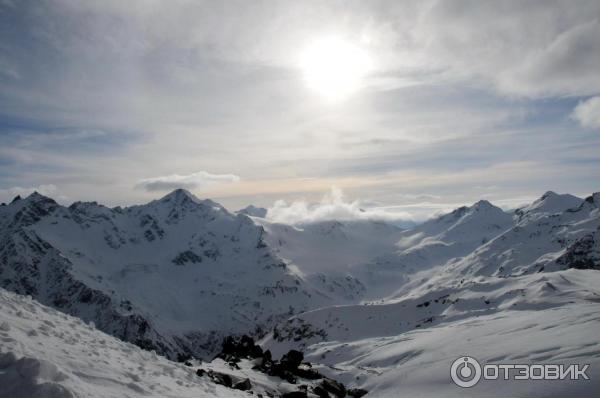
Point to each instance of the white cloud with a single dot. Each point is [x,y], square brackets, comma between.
[587,113]
[7,194]
[333,206]
[200,179]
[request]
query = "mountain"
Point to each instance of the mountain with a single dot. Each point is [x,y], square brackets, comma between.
[546,242]
[174,275]
[253,211]
[548,203]
[452,235]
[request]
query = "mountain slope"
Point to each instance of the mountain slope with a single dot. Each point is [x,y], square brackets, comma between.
[548,203]
[452,235]
[406,346]
[47,354]
[540,243]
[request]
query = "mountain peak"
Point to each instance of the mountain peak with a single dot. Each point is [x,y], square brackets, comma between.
[253,211]
[483,205]
[550,202]
[548,194]
[179,195]
[37,197]
[594,199]
[184,199]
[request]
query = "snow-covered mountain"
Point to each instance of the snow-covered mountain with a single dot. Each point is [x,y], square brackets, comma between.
[253,211]
[452,235]
[548,203]
[541,242]
[174,275]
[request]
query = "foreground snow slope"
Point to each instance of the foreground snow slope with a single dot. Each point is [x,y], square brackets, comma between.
[47,354]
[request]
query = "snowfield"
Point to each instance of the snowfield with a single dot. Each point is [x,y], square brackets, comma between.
[47,354]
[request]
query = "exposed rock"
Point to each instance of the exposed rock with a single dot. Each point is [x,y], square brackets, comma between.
[291,360]
[333,387]
[221,378]
[233,349]
[306,372]
[243,385]
[357,392]
[582,254]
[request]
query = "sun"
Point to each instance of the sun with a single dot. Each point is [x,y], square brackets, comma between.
[334,68]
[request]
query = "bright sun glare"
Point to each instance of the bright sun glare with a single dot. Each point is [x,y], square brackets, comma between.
[334,68]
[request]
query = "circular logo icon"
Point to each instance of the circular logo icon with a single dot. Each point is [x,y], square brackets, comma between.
[465,372]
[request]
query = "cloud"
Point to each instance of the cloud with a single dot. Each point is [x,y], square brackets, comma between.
[198,180]
[332,206]
[587,113]
[533,49]
[223,78]
[7,194]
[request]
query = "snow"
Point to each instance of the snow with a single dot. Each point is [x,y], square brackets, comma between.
[47,354]
[406,347]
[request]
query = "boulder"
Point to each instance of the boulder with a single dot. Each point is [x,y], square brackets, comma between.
[291,360]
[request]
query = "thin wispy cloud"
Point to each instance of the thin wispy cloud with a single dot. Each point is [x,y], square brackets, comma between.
[198,180]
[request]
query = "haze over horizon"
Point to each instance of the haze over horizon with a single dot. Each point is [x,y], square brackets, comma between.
[412,105]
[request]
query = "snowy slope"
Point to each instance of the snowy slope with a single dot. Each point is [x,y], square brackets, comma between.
[452,235]
[405,347]
[47,354]
[174,275]
[549,241]
[334,255]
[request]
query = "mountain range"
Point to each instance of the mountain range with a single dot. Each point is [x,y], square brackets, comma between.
[370,302]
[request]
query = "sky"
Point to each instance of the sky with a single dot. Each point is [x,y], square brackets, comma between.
[409,106]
